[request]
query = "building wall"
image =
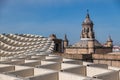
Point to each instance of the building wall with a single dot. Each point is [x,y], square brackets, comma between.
[109,59]
[58,45]
[76,51]
[103,50]
[73,50]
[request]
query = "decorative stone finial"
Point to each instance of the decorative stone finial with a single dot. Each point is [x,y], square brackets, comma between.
[87,14]
[65,38]
[109,39]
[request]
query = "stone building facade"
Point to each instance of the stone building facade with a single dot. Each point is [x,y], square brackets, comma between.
[88,44]
[60,44]
[58,47]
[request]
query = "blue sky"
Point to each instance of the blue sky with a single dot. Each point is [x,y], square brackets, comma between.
[44,17]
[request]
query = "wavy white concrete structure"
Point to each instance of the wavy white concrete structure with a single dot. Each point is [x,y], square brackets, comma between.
[19,44]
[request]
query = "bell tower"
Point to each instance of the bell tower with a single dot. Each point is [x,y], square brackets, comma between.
[87,33]
[87,28]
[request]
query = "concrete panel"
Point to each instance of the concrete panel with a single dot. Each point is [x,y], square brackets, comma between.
[99,65]
[114,75]
[51,76]
[46,62]
[41,71]
[116,69]
[31,64]
[7,77]
[4,65]
[16,62]
[67,65]
[81,70]
[23,73]
[74,62]
[92,79]
[7,68]
[92,71]
[37,57]
[54,59]
[87,63]
[21,67]
[27,61]
[69,76]
[53,66]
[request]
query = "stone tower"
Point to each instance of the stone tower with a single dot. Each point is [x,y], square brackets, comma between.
[87,28]
[109,42]
[88,33]
[88,44]
[66,42]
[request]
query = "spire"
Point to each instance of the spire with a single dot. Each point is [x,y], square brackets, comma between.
[87,16]
[65,38]
[87,19]
[109,39]
[66,42]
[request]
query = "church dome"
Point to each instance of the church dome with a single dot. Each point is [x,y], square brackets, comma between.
[84,43]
